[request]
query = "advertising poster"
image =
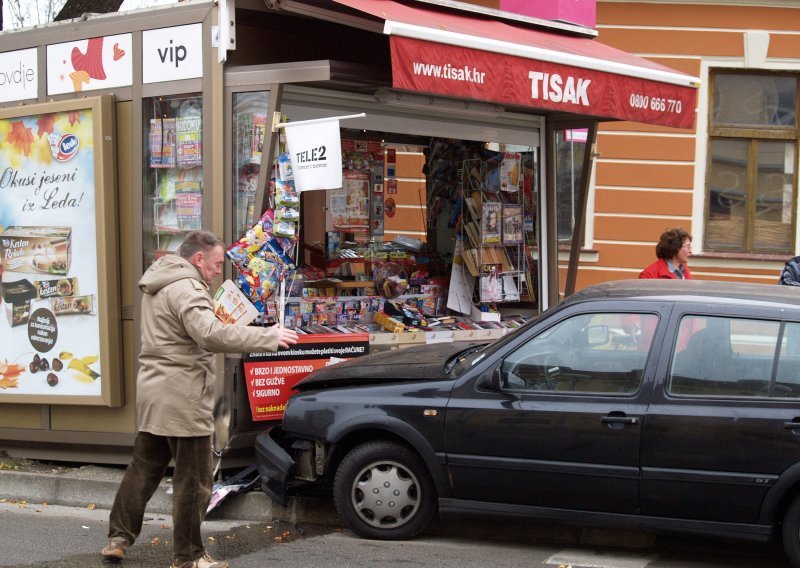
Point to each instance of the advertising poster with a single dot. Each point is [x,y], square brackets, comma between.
[50,329]
[270,377]
[90,64]
[349,204]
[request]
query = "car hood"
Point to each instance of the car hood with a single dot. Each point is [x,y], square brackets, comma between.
[422,363]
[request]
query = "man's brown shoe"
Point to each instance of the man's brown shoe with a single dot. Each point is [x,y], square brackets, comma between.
[115,548]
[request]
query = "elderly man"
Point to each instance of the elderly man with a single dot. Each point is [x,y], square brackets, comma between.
[175,396]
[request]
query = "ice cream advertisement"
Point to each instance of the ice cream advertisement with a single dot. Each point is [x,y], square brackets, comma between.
[49,326]
[89,64]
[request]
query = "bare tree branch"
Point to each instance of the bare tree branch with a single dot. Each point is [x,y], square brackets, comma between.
[25,13]
[76,8]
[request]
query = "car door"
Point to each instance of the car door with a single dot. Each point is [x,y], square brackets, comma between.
[724,421]
[560,424]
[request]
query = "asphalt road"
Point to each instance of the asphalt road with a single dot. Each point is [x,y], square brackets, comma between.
[46,536]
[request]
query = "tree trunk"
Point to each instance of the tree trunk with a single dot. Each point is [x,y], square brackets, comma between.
[77,8]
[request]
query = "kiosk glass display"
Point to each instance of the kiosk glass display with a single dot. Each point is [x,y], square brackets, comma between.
[172,172]
[250,132]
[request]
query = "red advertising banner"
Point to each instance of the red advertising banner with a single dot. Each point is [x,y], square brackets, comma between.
[437,68]
[270,377]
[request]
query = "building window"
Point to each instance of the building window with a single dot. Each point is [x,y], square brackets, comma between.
[752,160]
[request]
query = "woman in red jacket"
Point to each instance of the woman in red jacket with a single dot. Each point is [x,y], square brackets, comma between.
[673,251]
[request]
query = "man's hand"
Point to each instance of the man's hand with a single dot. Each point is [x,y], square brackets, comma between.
[286,337]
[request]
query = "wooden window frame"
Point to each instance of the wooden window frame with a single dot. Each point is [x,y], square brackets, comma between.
[753,136]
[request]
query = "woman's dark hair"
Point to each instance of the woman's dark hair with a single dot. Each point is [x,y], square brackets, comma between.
[671,242]
[198,241]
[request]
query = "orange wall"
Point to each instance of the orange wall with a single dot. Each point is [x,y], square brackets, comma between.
[645,175]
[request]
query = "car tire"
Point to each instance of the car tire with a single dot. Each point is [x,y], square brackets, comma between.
[383,490]
[790,532]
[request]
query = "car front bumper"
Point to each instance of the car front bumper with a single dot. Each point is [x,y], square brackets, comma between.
[275,466]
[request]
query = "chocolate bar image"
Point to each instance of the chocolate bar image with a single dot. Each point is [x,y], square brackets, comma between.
[77,305]
[59,288]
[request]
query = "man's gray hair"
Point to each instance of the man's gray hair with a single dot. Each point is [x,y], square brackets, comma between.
[198,241]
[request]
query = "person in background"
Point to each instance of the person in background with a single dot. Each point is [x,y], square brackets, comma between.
[673,251]
[175,396]
[790,275]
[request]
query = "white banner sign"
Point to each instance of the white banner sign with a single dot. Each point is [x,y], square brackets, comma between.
[170,54]
[89,64]
[19,75]
[315,149]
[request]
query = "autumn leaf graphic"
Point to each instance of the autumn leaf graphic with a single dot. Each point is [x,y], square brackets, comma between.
[20,137]
[45,124]
[9,373]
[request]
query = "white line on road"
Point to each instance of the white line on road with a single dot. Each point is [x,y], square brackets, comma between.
[592,559]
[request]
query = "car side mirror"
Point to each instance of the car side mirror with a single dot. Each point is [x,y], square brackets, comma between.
[597,335]
[495,380]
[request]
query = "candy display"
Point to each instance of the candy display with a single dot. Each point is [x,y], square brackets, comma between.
[264,254]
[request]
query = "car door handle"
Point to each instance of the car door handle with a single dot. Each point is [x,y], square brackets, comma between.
[622,420]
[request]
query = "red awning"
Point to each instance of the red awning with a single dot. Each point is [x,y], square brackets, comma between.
[461,55]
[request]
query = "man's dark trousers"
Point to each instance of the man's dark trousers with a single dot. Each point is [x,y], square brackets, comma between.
[192,483]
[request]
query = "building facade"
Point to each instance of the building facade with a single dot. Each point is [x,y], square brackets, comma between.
[732,180]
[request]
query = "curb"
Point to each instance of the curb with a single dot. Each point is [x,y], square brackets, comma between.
[97,487]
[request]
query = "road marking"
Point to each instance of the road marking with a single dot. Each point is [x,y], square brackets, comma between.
[593,559]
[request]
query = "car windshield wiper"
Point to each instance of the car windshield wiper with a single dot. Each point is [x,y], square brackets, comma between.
[460,356]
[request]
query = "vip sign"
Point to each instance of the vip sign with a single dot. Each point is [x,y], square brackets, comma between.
[19,75]
[171,54]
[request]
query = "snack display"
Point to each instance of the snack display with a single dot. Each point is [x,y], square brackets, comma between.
[284,229]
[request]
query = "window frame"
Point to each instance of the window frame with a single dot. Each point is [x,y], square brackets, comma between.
[553,329]
[775,391]
[753,136]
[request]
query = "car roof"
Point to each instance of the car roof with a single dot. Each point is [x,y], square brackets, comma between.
[690,291]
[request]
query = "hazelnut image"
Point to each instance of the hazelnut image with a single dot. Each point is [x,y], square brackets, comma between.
[57,364]
[43,364]
[52,379]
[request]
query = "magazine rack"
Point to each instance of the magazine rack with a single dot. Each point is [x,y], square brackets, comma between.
[173,172]
[493,229]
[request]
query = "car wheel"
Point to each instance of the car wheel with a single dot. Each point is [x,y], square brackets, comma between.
[384,491]
[791,533]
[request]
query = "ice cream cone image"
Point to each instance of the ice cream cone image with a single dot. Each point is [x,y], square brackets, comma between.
[78,79]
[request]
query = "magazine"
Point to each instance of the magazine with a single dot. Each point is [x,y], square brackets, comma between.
[161,142]
[512,224]
[490,223]
[189,141]
[232,306]
[510,179]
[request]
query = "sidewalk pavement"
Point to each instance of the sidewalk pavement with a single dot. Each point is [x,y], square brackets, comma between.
[96,486]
